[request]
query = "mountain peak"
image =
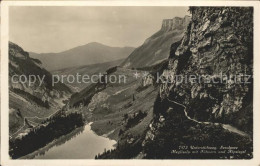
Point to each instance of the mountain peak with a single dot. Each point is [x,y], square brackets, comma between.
[95,43]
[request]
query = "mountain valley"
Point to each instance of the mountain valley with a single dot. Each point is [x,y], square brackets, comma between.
[149,118]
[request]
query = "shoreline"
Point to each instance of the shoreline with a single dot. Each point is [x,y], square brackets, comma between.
[61,140]
[52,144]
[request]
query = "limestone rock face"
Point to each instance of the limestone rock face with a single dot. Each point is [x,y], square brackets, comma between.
[22,66]
[218,43]
[175,23]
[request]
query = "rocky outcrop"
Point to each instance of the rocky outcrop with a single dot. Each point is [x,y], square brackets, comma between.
[217,44]
[22,66]
[175,23]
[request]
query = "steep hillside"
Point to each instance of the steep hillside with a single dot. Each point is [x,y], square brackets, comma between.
[85,70]
[91,53]
[218,43]
[31,103]
[156,48]
[116,107]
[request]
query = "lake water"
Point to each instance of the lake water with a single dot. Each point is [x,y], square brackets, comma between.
[81,144]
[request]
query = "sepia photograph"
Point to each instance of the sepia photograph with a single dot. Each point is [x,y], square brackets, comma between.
[133,82]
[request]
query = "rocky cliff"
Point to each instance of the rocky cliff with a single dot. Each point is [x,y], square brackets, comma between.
[217,44]
[156,48]
[218,47]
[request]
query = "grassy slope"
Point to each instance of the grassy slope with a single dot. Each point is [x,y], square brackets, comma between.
[154,50]
[109,106]
[85,70]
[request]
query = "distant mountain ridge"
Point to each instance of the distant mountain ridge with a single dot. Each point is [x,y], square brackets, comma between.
[91,53]
[175,23]
[156,48]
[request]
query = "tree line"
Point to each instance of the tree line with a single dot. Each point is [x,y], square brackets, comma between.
[43,134]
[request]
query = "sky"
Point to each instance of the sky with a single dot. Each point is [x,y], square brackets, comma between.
[55,29]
